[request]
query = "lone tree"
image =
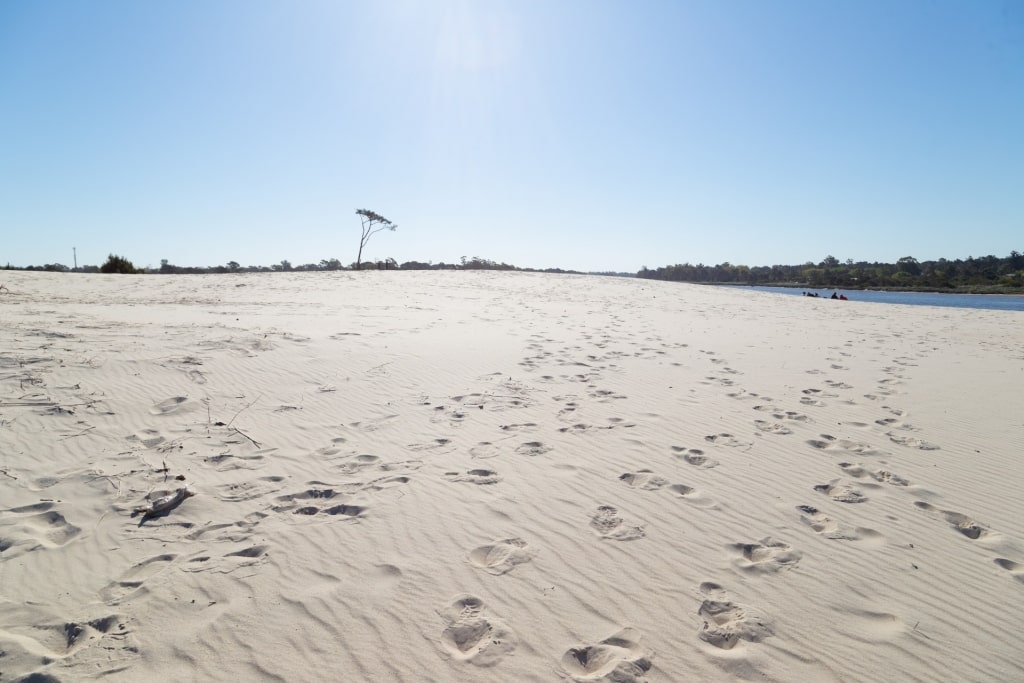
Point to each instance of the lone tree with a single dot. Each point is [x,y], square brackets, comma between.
[372,223]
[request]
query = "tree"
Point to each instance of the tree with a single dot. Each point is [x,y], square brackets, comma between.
[369,219]
[909,265]
[233,266]
[117,264]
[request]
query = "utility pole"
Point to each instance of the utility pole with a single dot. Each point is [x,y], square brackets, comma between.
[75,252]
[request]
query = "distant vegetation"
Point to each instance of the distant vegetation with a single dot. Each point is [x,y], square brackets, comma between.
[983,274]
[987,273]
[118,264]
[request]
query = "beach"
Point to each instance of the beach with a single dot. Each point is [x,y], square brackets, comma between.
[502,476]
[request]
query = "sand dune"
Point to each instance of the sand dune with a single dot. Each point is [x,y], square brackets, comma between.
[472,476]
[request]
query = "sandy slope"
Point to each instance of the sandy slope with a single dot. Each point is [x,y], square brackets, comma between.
[504,477]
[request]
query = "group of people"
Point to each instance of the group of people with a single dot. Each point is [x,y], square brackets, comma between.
[835,295]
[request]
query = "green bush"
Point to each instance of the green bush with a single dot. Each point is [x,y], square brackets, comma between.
[117,264]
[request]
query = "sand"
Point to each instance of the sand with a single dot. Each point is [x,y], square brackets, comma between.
[472,476]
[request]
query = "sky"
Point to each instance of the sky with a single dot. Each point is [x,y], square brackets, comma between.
[593,135]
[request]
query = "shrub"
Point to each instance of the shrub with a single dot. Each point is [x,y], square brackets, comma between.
[117,264]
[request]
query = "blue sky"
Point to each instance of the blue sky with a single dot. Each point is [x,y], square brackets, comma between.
[593,135]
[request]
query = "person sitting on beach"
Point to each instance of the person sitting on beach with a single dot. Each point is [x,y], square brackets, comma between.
[835,295]
[842,297]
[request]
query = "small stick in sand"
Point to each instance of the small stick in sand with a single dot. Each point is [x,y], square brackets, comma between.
[163,504]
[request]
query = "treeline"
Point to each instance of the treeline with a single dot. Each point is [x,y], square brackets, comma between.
[986,272]
[119,264]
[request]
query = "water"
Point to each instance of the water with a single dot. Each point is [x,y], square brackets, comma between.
[995,302]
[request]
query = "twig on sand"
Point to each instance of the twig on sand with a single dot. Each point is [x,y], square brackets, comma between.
[4,472]
[254,441]
[243,410]
[71,436]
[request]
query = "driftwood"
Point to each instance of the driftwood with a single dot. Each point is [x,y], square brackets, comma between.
[163,504]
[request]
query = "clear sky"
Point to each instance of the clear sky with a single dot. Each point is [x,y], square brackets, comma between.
[591,134]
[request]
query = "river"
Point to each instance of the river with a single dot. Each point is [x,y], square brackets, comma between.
[997,302]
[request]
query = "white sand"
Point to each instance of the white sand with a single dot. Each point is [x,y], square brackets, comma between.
[466,476]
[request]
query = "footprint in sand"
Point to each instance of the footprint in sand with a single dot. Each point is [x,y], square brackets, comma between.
[823,524]
[1015,568]
[384,483]
[149,438]
[695,457]
[132,580]
[744,395]
[358,463]
[608,524]
[644,479]
[727,440]
[619,658]
[226,462]
[308,494]
[472,636]
[36,637]
[896,424]
[249,490]
[841,492]
[881,476]
[766,556]
[911,442]
[959,521]
[832,529]
[532,448]
[169,405]
[248,556]
[604,395]
[827,442]
[521,427]
[302,503]
[692,495]
[502,556]
[342,511]
[772,427]
[485,450]
[481,477]
[33,527]
[792,415]
[442,443]
[726,623]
